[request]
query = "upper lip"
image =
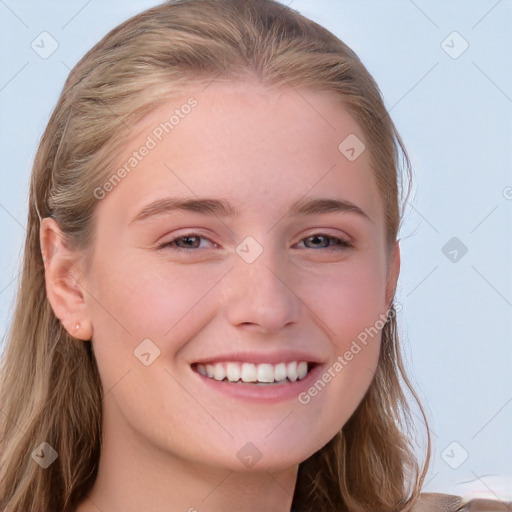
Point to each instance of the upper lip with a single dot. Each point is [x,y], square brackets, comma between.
[258,358]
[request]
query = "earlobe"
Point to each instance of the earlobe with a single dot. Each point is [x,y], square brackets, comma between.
[393,273]
[63,287]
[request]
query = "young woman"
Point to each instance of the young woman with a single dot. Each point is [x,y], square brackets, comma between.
[205,320]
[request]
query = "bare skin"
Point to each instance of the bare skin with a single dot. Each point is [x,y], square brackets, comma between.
[172,441]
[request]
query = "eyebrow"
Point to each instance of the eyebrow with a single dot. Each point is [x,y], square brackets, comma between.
[222,208]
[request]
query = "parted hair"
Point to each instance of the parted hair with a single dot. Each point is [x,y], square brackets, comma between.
[50,385]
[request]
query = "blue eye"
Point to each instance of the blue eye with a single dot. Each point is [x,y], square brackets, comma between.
[338,243]
[192,241]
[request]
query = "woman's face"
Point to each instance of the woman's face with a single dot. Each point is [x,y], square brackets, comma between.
[246,279]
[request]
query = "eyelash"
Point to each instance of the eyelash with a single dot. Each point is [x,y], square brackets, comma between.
[340,244]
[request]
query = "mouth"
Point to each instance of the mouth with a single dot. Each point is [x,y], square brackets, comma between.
[255,374]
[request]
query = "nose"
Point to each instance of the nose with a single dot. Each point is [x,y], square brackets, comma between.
[262,295]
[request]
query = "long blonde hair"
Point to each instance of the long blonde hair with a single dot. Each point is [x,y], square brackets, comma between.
[50,385]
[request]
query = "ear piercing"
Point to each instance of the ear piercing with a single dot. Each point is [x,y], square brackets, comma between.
[77,326]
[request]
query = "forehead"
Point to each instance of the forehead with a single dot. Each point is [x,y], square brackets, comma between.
[254,144]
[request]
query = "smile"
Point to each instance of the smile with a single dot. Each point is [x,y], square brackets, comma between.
[251,373]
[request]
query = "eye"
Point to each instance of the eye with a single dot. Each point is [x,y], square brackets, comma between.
[184,242]
[192,241]
[323,241]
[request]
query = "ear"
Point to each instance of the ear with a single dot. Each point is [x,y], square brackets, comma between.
[62,276]
[393,273]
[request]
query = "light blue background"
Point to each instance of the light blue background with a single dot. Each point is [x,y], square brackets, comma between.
[455,117]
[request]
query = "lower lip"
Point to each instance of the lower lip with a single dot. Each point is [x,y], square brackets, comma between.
[269,393]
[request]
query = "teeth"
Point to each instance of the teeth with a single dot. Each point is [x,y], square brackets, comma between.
[280,372]
[219,373]
[265,373]
[210,370]
[249,372]
[256,373]
[302,369]
[232,372]
[291,371]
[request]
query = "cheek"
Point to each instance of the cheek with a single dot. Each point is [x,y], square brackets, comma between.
[349,308]
[349,301]
[349,304]
[135,300]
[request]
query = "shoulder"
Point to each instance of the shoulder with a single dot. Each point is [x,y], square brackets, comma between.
[438,502]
